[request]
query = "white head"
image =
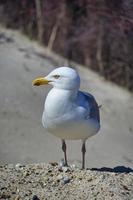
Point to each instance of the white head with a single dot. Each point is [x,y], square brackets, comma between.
[62,78]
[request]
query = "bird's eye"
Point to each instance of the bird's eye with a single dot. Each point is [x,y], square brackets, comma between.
[56,76]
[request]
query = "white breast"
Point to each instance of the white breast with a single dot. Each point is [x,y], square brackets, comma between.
[58,102]
[65,119]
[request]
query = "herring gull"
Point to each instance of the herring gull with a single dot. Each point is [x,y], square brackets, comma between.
[69,113]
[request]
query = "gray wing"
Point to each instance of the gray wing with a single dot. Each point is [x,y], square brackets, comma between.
[94,108]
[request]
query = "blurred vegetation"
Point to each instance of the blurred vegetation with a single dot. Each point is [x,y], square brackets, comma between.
[96,33]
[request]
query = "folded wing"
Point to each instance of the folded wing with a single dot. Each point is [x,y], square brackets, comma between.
[91,104]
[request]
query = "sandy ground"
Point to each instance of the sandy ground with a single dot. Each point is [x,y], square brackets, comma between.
[22,137]
[48,181]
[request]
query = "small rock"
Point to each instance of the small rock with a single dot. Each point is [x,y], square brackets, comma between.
[17,197]
[89,179]
[18,166]
[3,188]
[60,169]
[53,163]
[35,197]
[25,173]
[65,169]
[73,166]
[60,177]
[65,180]
[62,163]
[49,171]
[18,190]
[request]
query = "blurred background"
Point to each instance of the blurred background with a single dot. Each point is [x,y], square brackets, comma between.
[96,37]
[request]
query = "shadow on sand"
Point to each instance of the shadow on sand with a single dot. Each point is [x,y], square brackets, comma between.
[118,169]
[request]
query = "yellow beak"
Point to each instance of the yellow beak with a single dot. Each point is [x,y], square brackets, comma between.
[40,81]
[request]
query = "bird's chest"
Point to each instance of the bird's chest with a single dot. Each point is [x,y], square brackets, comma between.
[57,103]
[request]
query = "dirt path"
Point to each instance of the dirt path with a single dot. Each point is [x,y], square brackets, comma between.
[22,137]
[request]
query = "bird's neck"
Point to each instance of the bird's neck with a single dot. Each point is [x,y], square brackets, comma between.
[59,101]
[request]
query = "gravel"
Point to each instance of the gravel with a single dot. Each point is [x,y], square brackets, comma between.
[48,181]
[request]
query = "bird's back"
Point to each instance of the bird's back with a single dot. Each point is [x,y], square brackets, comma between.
[91,104]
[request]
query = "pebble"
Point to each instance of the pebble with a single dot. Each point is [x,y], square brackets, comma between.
[53,163]
[62,163]
[65,180]
[65,169]
[59,177]
[73,166]
[17,197]
[18,166]
[35,197]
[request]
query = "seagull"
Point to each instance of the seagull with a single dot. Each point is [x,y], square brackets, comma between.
[69,114]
